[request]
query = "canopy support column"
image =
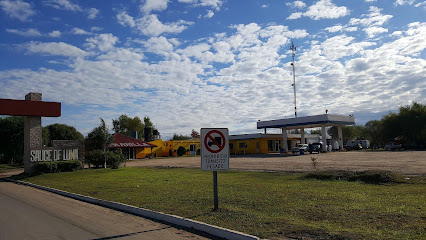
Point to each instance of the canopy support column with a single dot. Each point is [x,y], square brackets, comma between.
[340,137]
[324,138]
[284,145]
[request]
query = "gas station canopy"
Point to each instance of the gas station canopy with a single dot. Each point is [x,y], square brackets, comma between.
[308,122]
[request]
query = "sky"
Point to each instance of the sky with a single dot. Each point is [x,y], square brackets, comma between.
[191,64]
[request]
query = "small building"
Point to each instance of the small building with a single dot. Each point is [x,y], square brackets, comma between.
[132,148]
[265,143]
[169,148]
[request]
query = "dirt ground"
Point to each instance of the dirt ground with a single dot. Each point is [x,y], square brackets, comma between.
[403,162]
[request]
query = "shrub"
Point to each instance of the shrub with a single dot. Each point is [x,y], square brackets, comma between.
[58,166]
[181,151]
[96,157]
[114,159]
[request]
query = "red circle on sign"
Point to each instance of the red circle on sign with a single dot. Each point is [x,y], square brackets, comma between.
[220,146]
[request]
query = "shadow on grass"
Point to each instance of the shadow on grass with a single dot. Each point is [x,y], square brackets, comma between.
[370,177]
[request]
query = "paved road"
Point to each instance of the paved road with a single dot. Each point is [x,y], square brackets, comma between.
[28,213]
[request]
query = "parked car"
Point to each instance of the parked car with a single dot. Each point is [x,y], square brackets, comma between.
[297,149]
[392,146]
[315,147]
[354,145]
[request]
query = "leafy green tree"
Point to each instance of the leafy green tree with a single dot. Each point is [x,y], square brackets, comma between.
[126,125]
[180,137]
[60,132]
[194,134]
[12,140]
[408,125]
[348,132]
[99,138]
[374,131]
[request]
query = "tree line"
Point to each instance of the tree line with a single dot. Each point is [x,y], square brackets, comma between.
[407,126]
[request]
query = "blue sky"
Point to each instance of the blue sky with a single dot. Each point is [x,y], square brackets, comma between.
[189,64]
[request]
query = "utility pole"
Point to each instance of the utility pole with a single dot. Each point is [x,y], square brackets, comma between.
[293,53]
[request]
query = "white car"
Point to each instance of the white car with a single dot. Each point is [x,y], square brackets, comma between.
[298,147]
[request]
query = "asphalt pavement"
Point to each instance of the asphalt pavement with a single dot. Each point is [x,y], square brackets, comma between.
[29,213]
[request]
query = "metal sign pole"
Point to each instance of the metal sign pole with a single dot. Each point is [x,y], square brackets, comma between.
[216,197]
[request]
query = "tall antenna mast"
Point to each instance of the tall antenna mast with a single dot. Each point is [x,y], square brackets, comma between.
[293,53]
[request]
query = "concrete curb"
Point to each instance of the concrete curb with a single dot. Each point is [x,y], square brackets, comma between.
[159,216]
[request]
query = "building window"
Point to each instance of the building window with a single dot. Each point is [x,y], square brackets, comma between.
[231,146]
[243,145]
[192,147]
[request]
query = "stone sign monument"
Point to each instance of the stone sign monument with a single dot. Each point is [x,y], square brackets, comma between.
[32,108]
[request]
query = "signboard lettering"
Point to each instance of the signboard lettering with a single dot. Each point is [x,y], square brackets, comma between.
[214,149]
[48,155]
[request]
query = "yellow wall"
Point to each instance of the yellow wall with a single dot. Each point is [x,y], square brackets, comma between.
[252,145]
[163,148]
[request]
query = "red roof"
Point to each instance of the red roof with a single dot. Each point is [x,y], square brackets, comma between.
[121,140]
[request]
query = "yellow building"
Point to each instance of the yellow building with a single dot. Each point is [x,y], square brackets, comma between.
[169,148]
[265,143]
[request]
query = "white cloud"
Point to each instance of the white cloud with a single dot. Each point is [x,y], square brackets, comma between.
[372,22]
[63,5]
[79,31]
[17,9]
[31,32]
[126,20]
[215,4]
[103,42]
[404,2]
[92,13]
[149,25]
[370,0]
[122,55]
[373,31]
[336,28]
[323,9]
[296,4]
[159,45]
[265,5]
[55,33]
[55,49]
[154,5]
[209,14]
[295,15]
[421,4]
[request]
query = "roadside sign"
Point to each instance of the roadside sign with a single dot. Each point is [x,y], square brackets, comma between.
[214,149]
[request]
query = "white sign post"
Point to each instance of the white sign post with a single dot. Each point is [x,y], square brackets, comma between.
[214,154]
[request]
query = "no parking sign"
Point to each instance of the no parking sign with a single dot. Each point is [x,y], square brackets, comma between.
[214,149]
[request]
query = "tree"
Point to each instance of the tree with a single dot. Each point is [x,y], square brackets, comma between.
[348,132]
[195,134]
[12,140]
[408,125]
[315,131]
[180,137]
[374,131]
[60,132]
[99,138]
[126,125]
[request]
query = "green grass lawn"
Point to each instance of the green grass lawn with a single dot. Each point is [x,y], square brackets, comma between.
[7,167]
[267,205]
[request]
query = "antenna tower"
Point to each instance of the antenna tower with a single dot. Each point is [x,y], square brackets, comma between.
[293,53]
